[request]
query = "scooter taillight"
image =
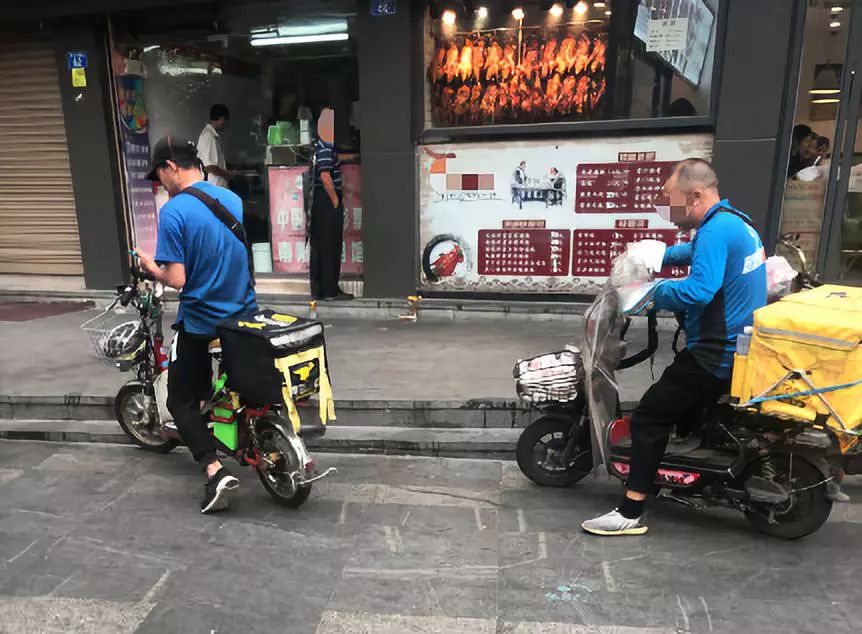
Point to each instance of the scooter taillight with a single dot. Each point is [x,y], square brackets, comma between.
[621,429]
[160,354]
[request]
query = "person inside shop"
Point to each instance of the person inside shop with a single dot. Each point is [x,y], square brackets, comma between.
[209,146]
[326,234]
[822,149]
[727,283]
[199,255]
[803,149]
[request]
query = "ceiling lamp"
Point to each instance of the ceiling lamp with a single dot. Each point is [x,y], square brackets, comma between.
[298,39]
[826,100]
[581,8]
[518,13]
[837,9]
[834,24]
[600,5]
[826,81]
[556,10]
[482,12]
[449,17]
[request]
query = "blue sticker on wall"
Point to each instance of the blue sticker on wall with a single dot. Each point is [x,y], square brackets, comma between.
[76,59]
[382,7]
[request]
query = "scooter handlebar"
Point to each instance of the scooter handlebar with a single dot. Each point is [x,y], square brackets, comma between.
[652,344]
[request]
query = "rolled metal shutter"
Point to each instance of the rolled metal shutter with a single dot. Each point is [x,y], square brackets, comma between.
[38,226]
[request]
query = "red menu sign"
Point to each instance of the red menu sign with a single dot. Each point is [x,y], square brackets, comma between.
[593,250]
[541,252]
[290,253]
[352,256]
[620,187]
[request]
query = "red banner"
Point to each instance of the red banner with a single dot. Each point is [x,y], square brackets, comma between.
[290,252]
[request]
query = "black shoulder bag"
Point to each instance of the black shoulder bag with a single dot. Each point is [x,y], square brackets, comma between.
[228,220]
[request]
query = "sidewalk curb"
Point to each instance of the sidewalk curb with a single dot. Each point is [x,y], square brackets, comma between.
[473,414]
[437,442]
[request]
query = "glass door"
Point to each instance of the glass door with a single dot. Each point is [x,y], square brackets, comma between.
[841,244]
[821,196]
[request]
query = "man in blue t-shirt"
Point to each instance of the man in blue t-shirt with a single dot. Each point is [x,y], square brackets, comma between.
[726,284]
[200,256]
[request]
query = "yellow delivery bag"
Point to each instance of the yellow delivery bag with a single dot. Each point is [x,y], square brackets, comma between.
[816,333]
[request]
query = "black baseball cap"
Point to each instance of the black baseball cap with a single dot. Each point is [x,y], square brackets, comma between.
[171,148]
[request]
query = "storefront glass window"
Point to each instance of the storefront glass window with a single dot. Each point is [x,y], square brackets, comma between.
[168,78]
[585,61]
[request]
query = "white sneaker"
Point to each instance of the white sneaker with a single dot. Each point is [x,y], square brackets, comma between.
[615,524]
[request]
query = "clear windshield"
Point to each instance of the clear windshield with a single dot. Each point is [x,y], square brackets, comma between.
[603,350]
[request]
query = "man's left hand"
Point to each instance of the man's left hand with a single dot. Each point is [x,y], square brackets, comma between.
[148,264]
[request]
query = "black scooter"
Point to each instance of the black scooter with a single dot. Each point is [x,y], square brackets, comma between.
[775,471]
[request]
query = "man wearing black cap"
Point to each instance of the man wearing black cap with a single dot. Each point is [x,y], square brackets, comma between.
[207,260]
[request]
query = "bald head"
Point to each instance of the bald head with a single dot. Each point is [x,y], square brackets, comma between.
[694,174]
[690,192]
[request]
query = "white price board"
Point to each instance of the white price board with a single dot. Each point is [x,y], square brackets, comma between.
[668,34]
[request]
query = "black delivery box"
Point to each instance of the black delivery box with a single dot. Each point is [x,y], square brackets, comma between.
[250,346]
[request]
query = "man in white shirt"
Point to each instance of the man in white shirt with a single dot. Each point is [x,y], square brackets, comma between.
[209,146]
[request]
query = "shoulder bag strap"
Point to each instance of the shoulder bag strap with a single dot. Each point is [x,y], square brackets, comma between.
[228,220]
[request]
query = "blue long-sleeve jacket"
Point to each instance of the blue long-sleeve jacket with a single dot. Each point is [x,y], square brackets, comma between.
[726,284]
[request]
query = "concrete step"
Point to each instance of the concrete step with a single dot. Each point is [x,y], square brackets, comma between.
[478,413]
[449,443]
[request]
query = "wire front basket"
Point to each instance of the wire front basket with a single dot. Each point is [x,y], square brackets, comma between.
[115,333]
[549,378]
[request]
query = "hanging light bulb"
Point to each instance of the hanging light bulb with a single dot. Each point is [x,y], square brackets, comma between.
[518,13]
[581,8]
[482,12]
[448,17]
[556,10]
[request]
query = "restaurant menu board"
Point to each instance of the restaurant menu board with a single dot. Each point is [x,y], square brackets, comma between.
[588,199]
[595,249]
[290,251]
[524,252]
[620,187]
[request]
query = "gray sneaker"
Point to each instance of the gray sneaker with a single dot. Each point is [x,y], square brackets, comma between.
[615,524]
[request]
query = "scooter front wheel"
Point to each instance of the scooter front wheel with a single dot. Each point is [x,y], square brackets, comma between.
[541,450]
[140,422]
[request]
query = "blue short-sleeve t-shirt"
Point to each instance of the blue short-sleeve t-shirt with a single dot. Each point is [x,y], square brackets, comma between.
[218,282]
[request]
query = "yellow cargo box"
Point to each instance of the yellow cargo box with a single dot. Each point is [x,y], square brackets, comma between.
[814,333]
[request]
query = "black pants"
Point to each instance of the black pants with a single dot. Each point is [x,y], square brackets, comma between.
[189,383]
[327,227]
[679,396]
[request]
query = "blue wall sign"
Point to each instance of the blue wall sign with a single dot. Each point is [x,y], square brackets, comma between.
[382,7]
[76,59]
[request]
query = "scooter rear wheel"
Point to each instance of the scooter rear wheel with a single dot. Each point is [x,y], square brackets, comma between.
[141,425]
[540,447]
[808,507]
[278,479]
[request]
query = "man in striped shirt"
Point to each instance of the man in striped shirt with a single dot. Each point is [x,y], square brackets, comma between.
[327,215]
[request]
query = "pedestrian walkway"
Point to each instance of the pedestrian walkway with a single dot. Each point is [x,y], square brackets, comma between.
[432,365]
